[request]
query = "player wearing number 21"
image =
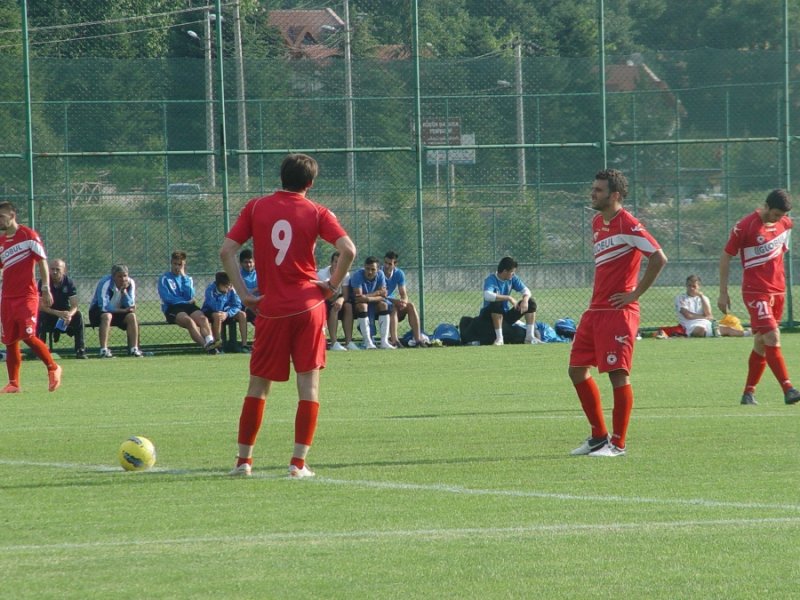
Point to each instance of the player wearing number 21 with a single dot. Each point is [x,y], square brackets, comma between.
[761,238]
[284,227]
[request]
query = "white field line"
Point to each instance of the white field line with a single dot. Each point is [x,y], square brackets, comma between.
[376,535]
[430,488]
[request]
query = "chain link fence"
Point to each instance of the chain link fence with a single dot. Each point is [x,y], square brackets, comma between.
[133,157]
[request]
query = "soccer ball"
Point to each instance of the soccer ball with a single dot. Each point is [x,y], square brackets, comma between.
[137,453]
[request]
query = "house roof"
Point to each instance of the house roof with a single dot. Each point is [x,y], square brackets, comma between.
[631,76]
[304,27]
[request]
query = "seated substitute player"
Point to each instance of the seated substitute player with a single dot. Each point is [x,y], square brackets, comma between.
[761,239]
[399,302]
[176,290]
[285,227]
[248,270]
[368,287]
[114,304]
[65,306]
[21,252]
[339,308]
[222,305]
[498,304]
[694,310]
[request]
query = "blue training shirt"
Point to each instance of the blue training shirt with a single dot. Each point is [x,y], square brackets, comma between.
[175,289]
[217,301]
[107,297]
[503,287]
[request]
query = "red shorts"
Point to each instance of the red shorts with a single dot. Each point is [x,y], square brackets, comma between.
[18,318]
[765,310]
[298,338]
[604,339]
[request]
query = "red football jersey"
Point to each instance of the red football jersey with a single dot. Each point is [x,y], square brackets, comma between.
[18,257]
[761,247]
[284,227]
[618,248]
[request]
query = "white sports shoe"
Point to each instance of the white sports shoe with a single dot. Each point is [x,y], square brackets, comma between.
[533,340]
[590,445]
[608,450]
[105,353]
[337,347]
[370,346]
[295,473]
[498,343]
[387,346]
[243,470]
[352,346]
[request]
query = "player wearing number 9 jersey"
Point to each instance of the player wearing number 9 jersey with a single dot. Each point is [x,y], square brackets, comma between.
[284,227]
[761,239]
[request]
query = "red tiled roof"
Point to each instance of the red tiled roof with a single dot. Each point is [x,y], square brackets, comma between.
[303,27]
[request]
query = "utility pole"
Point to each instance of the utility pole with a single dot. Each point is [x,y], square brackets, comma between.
[211,160]
[244,162]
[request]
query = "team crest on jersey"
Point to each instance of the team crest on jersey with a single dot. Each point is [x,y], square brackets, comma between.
[611,358]
[29,330]
[761,239]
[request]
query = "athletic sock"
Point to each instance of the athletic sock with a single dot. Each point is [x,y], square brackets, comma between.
[589,395]
[13,363]
[305,422]
[498,335]
[755,369]
[40,349]
[250,420]
[244,461]
[621,415]
[777,365]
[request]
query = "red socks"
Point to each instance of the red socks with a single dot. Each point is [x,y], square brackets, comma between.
[13,362]
[621,415]
[40,349]
[250,420]
[305,422]
[755,369]
[589,395]
[774,358]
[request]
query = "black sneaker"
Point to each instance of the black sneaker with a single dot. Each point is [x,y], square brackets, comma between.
[792,396]
[749,398]
[81,353]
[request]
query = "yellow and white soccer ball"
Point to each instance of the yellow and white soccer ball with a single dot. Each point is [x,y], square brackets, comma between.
[137,453]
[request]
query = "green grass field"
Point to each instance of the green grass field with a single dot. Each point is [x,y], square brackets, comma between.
[441,473]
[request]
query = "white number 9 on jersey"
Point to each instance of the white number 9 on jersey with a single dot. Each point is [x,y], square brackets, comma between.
[281,239]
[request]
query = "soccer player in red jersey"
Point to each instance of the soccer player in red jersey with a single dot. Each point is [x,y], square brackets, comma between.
[607,331]
[21,251]
[284,227]
[761,238]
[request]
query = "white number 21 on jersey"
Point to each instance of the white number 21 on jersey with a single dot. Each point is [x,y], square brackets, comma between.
[281,239]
